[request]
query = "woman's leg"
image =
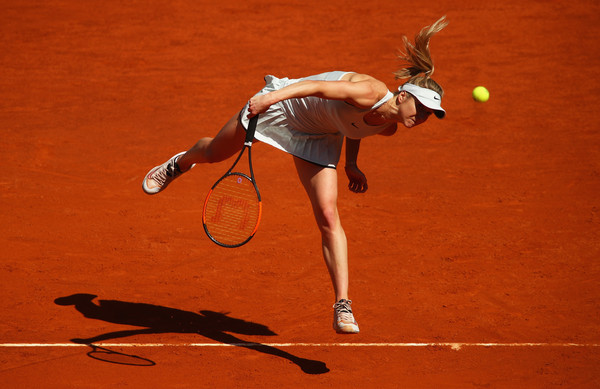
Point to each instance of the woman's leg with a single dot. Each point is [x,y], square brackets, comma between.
[321,185]
[226,143]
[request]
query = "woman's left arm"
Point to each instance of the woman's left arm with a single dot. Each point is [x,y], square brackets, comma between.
[358,181]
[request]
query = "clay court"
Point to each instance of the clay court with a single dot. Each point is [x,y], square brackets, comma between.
[474,255]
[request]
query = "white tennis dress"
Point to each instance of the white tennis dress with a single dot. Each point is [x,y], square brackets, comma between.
[311,128]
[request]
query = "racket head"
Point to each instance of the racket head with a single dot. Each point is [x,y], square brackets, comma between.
[232,210]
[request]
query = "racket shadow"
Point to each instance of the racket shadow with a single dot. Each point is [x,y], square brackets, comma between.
[154,319]
[111,356]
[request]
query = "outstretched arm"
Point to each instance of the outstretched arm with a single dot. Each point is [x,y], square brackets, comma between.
[363,93]
[358,181]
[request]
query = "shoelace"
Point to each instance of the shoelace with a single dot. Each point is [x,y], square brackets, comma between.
[161,175]
[343,310]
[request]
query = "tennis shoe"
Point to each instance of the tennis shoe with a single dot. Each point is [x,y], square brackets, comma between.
[160,176]
[343,319]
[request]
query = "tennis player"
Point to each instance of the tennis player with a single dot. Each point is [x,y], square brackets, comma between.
[309,119]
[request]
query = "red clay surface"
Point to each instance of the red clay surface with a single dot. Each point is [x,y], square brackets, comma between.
[483,227]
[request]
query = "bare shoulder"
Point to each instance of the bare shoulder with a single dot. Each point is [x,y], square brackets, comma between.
[365,78]
[370,86]
[356,77]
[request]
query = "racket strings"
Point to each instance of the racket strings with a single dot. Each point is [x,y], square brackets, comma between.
[232,210]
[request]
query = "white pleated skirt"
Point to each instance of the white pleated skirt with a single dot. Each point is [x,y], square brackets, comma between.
[275,128]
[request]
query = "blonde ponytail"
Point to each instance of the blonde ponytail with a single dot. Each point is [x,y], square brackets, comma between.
[418,59]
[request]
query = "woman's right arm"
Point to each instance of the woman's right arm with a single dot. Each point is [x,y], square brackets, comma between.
[362,93]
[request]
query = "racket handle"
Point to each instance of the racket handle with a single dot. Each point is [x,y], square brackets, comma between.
[251,130]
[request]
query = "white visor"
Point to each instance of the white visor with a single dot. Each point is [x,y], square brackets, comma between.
[429,98]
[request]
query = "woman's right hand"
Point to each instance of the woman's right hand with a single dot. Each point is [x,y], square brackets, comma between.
[258,104]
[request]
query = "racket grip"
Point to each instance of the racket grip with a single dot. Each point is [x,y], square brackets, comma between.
[251,130]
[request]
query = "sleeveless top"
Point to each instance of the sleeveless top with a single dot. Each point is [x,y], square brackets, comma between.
[312,128]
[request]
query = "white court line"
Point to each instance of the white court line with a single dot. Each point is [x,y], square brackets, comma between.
[453,345]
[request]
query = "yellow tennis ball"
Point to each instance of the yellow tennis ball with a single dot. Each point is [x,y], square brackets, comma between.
[481,94]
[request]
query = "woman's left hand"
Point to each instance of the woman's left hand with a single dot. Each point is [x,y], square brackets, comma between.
[358,181]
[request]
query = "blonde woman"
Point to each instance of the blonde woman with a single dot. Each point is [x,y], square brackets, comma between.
[309,119]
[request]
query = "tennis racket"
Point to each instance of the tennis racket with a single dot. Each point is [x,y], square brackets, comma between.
[232,208]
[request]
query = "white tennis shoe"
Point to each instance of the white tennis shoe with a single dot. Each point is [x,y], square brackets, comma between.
[160,176]
[343,319]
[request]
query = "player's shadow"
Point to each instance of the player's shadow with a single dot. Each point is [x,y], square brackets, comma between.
[156,319]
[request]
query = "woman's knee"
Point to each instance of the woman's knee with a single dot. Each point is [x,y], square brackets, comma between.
[212,154]
[226,143]
[328,218]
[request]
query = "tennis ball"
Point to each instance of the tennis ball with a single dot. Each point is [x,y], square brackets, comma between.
[481,94]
